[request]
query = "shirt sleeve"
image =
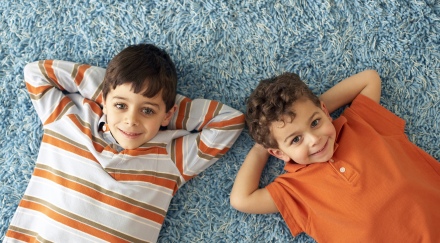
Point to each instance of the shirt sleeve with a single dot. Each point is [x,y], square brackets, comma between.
[50,82]
[213,128]
[382,120]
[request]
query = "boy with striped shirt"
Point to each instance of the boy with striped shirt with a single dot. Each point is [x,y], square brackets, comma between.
[117,145]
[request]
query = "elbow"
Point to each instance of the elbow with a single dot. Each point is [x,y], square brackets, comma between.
[373,85]
[31,70]
[237,202]
[376,85]
[373,76]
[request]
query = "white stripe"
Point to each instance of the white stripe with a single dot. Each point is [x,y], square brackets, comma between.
[36,221]
[57,195]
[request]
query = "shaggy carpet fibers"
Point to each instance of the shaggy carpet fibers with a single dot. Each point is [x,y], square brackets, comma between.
[221,50]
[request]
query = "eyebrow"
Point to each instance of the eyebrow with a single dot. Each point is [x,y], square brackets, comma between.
[145,103]
[294,133]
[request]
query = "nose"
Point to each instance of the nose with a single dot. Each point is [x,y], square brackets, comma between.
[314,139]
[131,118]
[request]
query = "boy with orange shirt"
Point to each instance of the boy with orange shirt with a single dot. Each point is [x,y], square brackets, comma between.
[355,179]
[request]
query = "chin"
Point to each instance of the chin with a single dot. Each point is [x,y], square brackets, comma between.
[318,161]
[128,146]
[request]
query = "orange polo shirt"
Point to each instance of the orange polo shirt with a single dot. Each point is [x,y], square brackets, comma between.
[378,187]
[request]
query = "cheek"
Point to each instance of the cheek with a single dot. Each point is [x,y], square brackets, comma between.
[329,130]
[110,121]
[296,153]
[299,155]
[152,124]
[112,118]
[303,152]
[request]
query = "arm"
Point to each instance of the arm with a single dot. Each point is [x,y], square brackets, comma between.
[48,83]
[367,83]
[245,195]
[213,128]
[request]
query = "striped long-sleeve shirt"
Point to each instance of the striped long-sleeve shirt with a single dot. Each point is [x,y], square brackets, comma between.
[85,188]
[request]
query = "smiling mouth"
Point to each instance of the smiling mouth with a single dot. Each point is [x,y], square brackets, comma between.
[130,134]
[322,149]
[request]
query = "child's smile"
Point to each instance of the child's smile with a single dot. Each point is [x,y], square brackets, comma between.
[319,152]
[130,135]
[133,118]
[306,138]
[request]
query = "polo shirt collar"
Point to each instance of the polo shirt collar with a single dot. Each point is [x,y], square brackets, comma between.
[107,135]
[338,124]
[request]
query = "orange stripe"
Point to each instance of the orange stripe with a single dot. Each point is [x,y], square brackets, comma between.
[37,90]
[80,74]
[138,152]
[51,73]
[187,177]
[179,153]
[170,184]
[20,236]
[91,192]
[234,121]
[110,149]
[94,106]
[211,151]
[60,107]
[182,111]
[86,131]
[70,222]
[68,147]
[210,113]
[179,157]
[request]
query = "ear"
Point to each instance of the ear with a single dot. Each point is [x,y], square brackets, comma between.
[323,108]
[168,116]
[279,154]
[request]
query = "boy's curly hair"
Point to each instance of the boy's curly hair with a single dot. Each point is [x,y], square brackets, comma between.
[270,101]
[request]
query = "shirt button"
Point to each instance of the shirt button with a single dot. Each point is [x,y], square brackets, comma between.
[104,128]
[342,169]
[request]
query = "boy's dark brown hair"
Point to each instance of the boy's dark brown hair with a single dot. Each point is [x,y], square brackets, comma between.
[148,68]
[270,101]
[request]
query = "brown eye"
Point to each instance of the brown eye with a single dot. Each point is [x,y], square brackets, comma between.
[315,123]
[148,111]
[120,106]
[296,139]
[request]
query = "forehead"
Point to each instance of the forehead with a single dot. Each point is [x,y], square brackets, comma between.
[302,110]
[126,91]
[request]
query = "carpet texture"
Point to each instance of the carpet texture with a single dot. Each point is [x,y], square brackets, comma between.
[221,50]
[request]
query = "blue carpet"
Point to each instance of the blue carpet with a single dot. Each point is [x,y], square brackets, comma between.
[222,49]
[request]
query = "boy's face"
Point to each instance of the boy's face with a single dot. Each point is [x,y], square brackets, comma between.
[133,118]
[308,138]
